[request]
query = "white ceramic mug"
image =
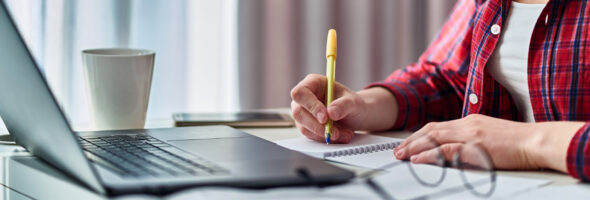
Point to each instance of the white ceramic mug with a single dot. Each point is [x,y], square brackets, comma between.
[118,85]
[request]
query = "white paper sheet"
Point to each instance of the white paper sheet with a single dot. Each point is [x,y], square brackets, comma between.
[401,184]
[371,161]
[573,192]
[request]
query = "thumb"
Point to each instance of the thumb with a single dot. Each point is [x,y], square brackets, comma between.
[342,107]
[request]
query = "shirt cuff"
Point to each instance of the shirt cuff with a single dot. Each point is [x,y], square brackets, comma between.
[409,104]
[578,154]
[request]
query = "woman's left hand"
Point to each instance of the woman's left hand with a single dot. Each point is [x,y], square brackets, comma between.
[511,145]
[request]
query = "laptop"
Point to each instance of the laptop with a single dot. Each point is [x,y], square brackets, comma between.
[154,161]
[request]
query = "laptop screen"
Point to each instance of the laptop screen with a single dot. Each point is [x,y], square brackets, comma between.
[30,111]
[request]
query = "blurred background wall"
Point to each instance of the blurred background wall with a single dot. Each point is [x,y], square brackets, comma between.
[280,41]
[226,55]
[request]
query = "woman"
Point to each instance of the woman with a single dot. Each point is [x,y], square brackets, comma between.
[513,76]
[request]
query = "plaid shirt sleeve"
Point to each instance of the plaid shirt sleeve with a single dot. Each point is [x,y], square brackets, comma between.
[578,154]
[432,89]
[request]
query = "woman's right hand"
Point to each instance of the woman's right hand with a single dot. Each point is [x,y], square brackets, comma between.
[348,110]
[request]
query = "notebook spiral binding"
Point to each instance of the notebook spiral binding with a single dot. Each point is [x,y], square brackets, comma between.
[362,149]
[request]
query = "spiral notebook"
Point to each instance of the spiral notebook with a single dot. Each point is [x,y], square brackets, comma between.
[361,144]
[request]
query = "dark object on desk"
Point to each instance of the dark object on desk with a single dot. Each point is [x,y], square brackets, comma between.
[236,120]
[156,161]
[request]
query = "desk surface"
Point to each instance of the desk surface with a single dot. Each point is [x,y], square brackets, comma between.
[35,185]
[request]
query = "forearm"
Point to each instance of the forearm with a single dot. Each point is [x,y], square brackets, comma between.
[381,109]
[549,143]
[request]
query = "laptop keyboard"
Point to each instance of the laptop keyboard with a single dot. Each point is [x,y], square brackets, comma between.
[142,155]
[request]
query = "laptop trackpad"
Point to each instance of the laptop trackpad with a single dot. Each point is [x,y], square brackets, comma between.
[244,149]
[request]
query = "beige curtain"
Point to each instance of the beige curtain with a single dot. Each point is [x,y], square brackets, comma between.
[280,41]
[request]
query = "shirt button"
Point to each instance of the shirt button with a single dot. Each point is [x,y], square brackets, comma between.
[473,98]
[546,19]
[495,29]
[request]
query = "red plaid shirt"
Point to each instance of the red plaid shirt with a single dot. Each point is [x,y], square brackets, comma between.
[450,81]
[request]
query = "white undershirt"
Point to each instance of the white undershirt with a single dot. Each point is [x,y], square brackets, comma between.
[508,63]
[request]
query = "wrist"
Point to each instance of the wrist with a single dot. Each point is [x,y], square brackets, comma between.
[548,143]
[535,139]
[380,109]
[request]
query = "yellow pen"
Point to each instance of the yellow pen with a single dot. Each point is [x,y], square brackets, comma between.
[330,74]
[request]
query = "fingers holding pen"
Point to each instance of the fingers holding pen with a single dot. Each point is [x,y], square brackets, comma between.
[341,135]
[305,119]
[308,94]
[309,134]
[311,114]
[312,129]
[342,107]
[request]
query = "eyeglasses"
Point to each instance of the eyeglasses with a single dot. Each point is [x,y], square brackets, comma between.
[472,160]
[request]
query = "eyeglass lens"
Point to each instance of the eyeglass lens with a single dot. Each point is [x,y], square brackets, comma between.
[477,169]
[429,167]
[475,164]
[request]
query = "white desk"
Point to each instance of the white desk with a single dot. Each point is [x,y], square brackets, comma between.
[26,177]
